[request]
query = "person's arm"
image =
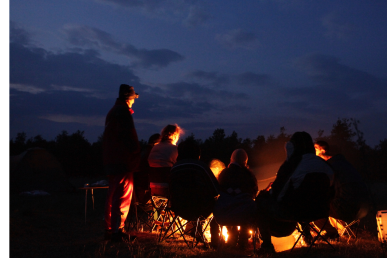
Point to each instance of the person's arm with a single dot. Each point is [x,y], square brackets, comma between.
[254,184]
[127,131]
[128,134]
[283,174]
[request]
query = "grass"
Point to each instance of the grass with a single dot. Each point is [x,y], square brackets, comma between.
[54,226]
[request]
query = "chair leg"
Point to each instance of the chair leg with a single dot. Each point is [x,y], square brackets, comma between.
[319,235]
[347,229]
[256,239]
[299,237]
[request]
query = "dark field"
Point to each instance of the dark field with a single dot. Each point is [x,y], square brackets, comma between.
[54,226]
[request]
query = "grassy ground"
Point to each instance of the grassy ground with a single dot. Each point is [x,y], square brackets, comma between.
[54,226]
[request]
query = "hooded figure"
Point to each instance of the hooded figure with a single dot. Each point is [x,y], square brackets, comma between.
[276,206]
[300,143]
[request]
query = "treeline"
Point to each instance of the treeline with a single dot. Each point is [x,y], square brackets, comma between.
[79,157]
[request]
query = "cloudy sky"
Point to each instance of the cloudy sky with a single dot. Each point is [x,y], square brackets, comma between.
[247,66]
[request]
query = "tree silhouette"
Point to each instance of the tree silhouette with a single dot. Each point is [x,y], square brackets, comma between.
[74,152]
[19,145]
[79,157]
[270,150]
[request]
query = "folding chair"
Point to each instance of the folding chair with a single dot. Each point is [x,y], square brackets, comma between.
[193,189]
[310,202]
[159,201]
[235,211]
[347,227]
[140,215]
[178,225]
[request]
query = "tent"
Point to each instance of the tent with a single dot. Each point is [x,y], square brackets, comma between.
[37,169]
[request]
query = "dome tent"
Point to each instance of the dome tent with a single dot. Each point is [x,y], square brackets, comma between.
[37,169]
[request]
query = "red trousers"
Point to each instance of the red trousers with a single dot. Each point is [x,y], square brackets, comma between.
[118,201]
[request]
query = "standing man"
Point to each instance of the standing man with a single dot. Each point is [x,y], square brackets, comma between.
[121,158]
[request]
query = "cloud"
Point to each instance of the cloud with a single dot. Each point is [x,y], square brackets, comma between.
[86,120]
[318,100]
[84,36]
[197,16]
[79,87]
[213,77]
[336,27]
[18,34]
[190,13]
[243,79]
[327,71]
[69,88]
[336,89]
[286,4]
[161,105]
[26,88]
[147,4]
[200,92]
[39,68]
[238,39]
[254,79]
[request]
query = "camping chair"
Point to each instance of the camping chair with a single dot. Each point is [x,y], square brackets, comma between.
[164,218]
[235,210]
[193,189]
[347,227]
[140,215]
[159,201]
[308,203]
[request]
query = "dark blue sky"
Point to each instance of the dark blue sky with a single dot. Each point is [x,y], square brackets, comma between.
[248,66]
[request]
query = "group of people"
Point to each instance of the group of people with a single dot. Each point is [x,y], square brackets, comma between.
[272,210]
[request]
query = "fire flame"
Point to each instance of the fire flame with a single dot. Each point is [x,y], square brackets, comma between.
[225,234]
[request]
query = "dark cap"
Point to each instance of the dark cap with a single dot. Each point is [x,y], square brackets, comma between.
[127,92]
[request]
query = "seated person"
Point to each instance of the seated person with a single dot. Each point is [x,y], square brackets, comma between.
[350,189]
[236,205]
[275,207]
[193,187]
[164,155]
[141,180]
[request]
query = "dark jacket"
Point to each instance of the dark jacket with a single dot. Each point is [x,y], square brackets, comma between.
[236,177]
[121,148]
[350,189]
[283,174]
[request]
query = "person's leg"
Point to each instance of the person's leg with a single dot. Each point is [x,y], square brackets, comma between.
[263,222]
[121,200]
[214,230]
[232,232]
[243,237]
[108,203]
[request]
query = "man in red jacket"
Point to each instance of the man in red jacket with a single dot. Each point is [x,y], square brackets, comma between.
[121,158]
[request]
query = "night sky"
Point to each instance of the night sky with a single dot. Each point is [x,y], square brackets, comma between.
[245,66]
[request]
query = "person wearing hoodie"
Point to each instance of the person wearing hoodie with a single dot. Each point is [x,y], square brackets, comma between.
[274,206]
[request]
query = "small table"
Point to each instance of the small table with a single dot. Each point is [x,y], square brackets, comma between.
[92,194]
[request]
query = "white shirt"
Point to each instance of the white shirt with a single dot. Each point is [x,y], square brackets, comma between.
[310,163]
[163,154]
